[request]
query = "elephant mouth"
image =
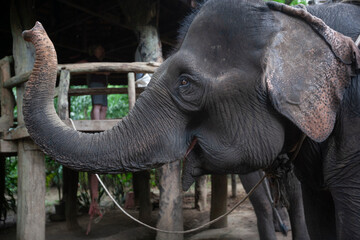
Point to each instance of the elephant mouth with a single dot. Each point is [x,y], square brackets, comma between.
[191,147]
[189,165]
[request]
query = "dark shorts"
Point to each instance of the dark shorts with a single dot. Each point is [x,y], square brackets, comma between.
[98,99]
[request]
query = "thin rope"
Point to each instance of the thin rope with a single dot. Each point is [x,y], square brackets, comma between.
[187,231]
[176,232]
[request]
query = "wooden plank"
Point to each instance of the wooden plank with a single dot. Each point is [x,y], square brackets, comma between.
[93,125]
[16,133]
[137,67]
[81,125]
[83,68]
[97,91]
[17,80]
[8,146]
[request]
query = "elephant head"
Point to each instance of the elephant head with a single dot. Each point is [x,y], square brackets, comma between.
[246,77]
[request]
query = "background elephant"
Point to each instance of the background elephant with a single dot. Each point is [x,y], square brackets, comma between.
[247,80]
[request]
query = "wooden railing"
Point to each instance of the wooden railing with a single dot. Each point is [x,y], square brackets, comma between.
[10,133]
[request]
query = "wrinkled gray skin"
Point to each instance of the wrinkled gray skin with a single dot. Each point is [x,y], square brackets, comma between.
[248,78]
[344,18]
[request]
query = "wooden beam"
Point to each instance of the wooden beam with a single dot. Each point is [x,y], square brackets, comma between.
[99,91]
[137,67]
[8,146]
[17,80]
[16,133]
[83,68]
[7,59]
[81,125]
[93,125]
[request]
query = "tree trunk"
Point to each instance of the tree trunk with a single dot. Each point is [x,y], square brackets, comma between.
[201,193]
[218,200]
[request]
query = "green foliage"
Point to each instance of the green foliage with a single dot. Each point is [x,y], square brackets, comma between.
[290,2]
[53,172]
[10,187]
[117,184]
[80,108]
[118,105]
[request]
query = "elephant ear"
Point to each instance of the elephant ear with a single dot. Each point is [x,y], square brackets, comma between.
[308,67]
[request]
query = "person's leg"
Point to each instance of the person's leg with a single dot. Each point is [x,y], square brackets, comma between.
[94,208]
[95,112]
[103,110]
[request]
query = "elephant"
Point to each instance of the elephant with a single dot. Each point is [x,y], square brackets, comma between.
[248,80]
[333,15]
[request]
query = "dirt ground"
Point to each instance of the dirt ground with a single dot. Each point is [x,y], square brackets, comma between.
[115,225]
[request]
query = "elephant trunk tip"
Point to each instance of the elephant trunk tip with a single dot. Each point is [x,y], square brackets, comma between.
[28,34]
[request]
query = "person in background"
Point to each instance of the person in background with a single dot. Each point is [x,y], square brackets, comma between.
[98,112]
[98,80]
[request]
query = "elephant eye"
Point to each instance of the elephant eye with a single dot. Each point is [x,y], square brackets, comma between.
[184,82]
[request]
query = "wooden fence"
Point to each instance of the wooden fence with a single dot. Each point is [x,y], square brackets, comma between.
[10,132]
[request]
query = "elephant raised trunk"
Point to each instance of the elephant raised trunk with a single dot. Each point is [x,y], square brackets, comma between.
[126,147]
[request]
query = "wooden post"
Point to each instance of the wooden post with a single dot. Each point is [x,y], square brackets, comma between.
[31,164]
[218,200]
[170,213]
[63,103]
[131,90]
[6,97]
[140,179]
[141,187]
[31,192]
[233,186]
[70,177]
[201,193]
